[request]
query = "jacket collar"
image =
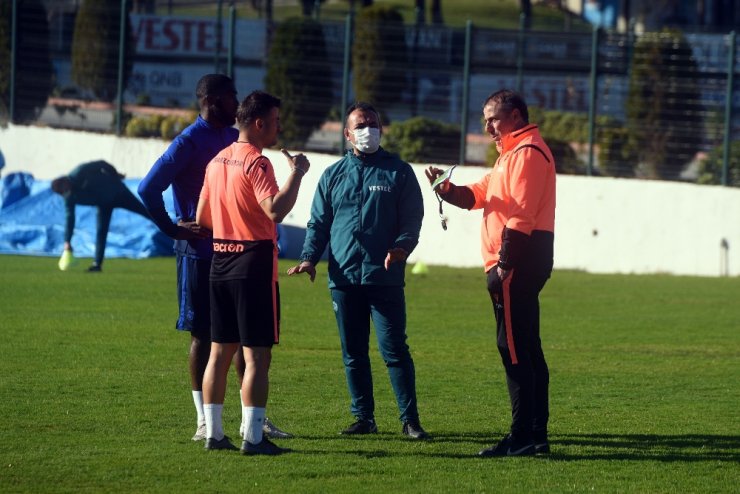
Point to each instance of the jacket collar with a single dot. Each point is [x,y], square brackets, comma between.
[511,140]
[366,158]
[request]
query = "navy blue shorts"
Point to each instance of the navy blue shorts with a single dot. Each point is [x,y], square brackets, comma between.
[193,296]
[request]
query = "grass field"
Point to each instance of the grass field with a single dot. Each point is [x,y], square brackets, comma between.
[95,398]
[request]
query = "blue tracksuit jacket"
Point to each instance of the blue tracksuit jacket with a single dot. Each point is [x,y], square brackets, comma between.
[183,166]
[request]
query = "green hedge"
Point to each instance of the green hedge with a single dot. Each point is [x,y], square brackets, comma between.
[423,140]
[710,168]
[165,127]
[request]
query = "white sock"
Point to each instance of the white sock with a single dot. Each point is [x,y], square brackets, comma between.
[244,416]
[214,424]
[198,400]
[254,418]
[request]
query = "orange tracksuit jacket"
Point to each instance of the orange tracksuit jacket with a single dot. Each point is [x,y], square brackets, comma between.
[519,193]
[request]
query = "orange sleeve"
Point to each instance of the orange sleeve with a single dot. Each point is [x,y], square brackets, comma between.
[262,176]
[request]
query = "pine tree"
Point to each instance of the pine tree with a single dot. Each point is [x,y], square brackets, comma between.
[664,109]
[379,57]
[298,72]
[95,48]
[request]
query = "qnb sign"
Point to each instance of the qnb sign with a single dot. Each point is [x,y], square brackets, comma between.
[189,36]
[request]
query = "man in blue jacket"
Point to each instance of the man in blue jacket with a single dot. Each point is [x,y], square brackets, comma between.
[368,209]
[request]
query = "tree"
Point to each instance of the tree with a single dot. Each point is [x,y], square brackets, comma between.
[34,72]
[95,48]
[663,105]
[298,72]
[379,56]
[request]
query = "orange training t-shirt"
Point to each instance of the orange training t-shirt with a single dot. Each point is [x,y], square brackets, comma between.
[236,181]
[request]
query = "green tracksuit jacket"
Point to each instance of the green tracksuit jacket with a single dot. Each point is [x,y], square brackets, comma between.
[362,208]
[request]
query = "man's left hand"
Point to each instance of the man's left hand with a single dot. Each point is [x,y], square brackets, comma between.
[502,273]
[394,255]
[196,231]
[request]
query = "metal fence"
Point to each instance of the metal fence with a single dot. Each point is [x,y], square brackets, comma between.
[656,105]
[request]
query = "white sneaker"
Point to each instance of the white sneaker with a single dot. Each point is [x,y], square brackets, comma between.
[200,433]
[273,432]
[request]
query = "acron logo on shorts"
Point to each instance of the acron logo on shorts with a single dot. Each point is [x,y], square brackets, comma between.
[227,247]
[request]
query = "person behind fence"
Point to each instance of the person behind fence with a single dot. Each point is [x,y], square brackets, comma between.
[240,202]
[517,233]
[182,166]
[368,208]
[99,184]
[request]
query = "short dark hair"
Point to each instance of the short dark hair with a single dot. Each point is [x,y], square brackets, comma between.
[509,100]
[61,184]
[362,106]
[257,104]
[213,85]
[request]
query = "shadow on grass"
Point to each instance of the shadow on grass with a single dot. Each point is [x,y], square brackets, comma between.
[668,448]
[565,447]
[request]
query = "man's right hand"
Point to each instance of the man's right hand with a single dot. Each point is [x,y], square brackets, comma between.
[303,267]
[432,173]
[190,230]
[299,161]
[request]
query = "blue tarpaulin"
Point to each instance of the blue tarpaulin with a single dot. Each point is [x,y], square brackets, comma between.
[32,223]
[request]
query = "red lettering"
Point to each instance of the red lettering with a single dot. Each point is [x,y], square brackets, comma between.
[186,29]
[204,35]
[137,31]
[150,39]
[170,34]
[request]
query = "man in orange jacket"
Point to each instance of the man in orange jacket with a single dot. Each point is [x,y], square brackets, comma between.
[518,202]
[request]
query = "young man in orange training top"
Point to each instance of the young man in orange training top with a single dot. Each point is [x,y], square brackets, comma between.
[240,202]
[518,202]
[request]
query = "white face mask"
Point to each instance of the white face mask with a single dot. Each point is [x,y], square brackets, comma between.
[367,140]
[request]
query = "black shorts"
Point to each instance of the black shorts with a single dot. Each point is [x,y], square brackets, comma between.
[245,311]
[193,296]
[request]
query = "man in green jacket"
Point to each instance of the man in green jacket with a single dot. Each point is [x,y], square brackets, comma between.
[368,209]
[99,184]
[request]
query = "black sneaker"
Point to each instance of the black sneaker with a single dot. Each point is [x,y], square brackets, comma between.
[542,448]
[95,268]
[265,447]
[541,444]
[362,426]
[223,443]
[508,447]
[414,430]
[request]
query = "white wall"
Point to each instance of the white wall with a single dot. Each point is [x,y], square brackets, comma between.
[603,225]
